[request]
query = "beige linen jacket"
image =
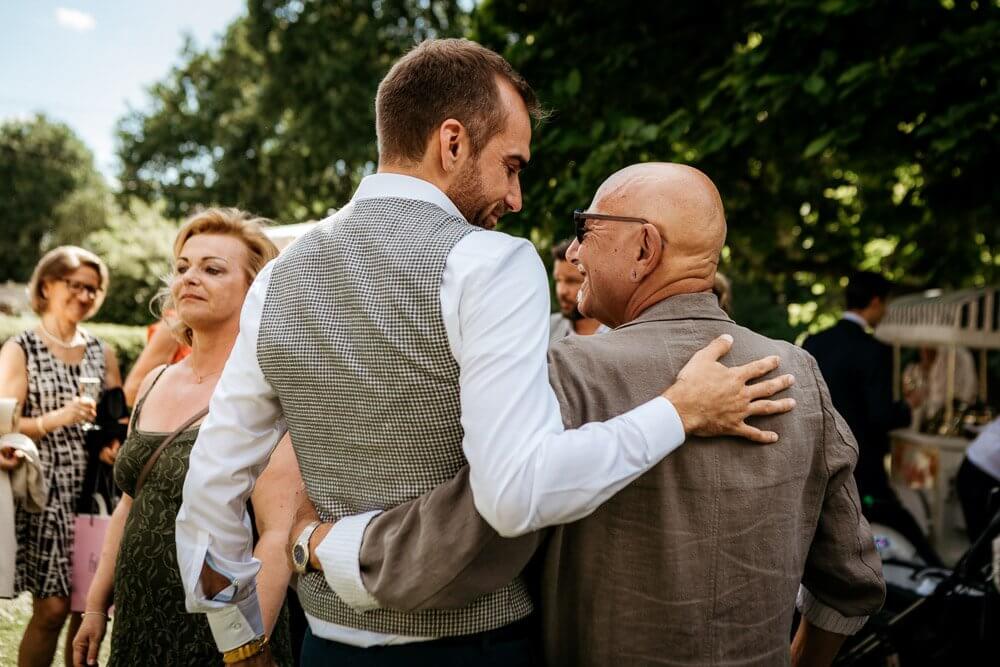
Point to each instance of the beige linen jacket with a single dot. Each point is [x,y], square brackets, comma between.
[698,561]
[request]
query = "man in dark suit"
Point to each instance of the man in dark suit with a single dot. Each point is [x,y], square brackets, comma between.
[858,370]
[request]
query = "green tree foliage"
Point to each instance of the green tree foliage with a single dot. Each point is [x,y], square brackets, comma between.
[50,192]
[842,134]
[279,118]
[137,247]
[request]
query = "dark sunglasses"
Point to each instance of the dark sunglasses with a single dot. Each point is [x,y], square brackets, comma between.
[580,218]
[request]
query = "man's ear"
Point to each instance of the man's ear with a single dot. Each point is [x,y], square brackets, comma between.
[453,141]
[649,252]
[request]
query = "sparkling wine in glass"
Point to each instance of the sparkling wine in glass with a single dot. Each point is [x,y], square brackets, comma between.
[90,391]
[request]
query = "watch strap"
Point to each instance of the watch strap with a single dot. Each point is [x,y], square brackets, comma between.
[303,541]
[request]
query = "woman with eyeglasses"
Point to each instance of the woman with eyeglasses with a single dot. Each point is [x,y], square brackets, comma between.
[57,371]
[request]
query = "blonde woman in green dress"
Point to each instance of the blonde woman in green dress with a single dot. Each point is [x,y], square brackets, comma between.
[217,254]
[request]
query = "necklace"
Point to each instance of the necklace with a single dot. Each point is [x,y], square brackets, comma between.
[201,378]
[59,341]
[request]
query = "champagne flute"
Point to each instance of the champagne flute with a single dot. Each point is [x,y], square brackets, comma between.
[90,391]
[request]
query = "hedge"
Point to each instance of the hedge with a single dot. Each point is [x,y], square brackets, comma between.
[127,341]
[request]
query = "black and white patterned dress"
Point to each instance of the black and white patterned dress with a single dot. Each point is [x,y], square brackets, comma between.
[45,540]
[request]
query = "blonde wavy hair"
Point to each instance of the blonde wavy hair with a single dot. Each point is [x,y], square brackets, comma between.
[227,222]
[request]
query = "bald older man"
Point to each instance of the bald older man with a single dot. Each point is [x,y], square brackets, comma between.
[701,560]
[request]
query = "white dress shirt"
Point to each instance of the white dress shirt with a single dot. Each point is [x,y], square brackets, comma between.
[984,451]
[526,471]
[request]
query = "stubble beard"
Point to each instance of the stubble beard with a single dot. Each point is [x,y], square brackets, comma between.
[467,195]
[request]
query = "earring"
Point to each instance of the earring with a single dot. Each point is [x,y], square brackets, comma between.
[634,275]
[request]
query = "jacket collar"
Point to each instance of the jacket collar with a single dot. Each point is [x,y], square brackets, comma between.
[855,319]
[698,306]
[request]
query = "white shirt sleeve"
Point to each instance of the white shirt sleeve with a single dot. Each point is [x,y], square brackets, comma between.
[526,471]
[233,446]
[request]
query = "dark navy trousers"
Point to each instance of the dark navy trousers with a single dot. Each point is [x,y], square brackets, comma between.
[514,645]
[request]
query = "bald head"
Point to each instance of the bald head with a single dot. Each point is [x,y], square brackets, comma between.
[628,267]
[679,200]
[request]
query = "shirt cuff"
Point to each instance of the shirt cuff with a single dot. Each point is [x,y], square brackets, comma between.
[242,575]
[340,555]
[660,426]
[236,624]
[827,618]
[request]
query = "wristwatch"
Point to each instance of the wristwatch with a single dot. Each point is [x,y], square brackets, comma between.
[300,550]
[248,650]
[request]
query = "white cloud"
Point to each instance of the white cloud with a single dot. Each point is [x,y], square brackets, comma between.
[74,19]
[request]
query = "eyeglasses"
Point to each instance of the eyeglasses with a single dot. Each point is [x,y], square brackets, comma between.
[580,218]
[78,288]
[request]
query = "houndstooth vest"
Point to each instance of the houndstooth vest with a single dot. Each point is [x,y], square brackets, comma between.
[353,342]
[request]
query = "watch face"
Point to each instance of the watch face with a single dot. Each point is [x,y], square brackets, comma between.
[299,555]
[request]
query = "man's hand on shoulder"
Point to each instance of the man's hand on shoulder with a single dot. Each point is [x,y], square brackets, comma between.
[714,400]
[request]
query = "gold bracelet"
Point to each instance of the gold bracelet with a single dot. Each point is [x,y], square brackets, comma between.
[250,649]
[96,613]
[40,425]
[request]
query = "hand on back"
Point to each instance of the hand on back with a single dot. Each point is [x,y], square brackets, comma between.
[714,400]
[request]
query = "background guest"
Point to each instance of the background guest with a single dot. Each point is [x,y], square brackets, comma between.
[568,280]
[217,254]
[925,382]
[42,367]
[978,480]
[858,371]
[723,291]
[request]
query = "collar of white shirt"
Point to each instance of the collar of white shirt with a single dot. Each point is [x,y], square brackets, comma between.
[378,186]
[857,319]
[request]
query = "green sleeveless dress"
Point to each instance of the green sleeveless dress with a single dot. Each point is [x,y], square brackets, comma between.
[152,626]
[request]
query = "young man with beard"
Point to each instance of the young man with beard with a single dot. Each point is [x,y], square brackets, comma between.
[567,280]
[398,341]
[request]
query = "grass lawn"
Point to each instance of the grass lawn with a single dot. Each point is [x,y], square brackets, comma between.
[14,615]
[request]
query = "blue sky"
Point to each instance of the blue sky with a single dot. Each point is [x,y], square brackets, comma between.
[84,63]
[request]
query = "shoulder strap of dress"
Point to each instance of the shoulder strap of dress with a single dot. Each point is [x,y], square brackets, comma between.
[155,456]
[27,341]
[142,399]
[96,347]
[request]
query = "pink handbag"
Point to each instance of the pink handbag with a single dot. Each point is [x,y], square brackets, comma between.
[87,543]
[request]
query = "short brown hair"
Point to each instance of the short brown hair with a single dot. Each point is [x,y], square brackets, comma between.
[227,222]
[559,250]
[441,79]
[723,290]
[59,263]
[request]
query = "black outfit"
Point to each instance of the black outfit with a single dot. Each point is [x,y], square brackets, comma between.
[99,478]
[979,493]
[858,371]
